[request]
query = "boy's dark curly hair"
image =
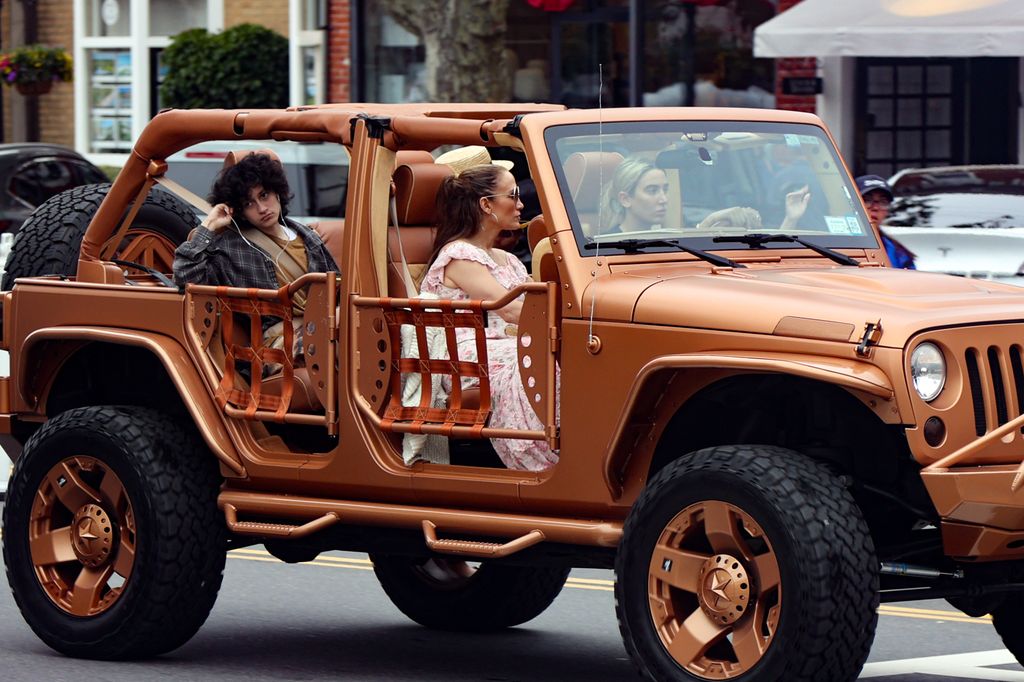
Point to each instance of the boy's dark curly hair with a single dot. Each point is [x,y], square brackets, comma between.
[233,184]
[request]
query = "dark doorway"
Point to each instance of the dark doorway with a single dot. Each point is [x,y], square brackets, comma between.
[914,113]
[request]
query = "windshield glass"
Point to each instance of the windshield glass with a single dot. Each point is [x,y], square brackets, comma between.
[697,180]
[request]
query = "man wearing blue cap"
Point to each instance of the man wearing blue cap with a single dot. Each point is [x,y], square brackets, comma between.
[877,196]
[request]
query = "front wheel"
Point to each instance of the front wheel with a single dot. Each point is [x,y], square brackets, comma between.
[747,563]
[113,543]
[451,594]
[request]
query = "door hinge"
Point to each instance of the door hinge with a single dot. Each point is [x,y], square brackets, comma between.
[871,336]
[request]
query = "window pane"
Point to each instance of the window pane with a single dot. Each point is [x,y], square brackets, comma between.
[110,100]
[881,112]
[910,80]
[939,111]
[107,17]
[909,113]
[908,145]
[937,144]
[880,80]
[879,145]
[940,80]
[170,17]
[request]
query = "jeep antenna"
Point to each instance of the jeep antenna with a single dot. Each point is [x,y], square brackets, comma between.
[592,341]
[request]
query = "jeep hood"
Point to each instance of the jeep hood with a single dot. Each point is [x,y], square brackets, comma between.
[809,302]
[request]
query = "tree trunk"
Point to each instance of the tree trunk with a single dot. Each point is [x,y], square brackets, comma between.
[464,42]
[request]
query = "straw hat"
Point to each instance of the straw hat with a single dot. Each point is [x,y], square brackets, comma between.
[467,157]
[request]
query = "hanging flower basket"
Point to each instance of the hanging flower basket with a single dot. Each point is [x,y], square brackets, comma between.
[36,88]
[33,69]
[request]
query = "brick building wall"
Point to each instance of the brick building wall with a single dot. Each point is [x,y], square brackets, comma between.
[270,13]
[56,108]
[339,51]
[800,67]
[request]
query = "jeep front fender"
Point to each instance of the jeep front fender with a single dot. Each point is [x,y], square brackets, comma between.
[853,375]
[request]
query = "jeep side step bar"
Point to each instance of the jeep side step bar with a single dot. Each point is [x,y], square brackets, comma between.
[517,528]
[276,530]
[484,550]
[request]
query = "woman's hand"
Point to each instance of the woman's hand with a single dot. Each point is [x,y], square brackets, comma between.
[796,206]
[218,218]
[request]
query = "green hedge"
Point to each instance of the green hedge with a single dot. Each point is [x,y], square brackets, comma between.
[245,66]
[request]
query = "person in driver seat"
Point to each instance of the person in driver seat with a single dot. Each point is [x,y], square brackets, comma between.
[247,240]
[636,198]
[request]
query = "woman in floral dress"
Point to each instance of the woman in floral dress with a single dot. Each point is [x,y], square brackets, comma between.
[474,206]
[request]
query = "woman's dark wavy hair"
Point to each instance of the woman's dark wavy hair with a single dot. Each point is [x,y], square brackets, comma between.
[233,184]
[458,204]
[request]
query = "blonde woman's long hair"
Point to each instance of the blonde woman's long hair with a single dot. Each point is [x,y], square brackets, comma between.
[625,179]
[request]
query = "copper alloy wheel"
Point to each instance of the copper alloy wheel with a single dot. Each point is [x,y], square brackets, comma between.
[82,536]
[715,591]
[149,248]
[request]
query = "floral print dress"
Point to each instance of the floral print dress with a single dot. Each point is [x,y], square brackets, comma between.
[509,403]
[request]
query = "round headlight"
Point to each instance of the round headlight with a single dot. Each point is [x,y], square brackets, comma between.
[928,369]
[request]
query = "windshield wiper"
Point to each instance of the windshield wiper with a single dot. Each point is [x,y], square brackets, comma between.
[758,240]
[638,245]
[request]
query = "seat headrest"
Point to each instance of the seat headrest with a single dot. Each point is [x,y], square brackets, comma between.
[234,157]
[416,188]
[585,171]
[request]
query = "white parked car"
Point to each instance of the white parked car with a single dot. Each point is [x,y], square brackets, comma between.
[962,220]
[317,173]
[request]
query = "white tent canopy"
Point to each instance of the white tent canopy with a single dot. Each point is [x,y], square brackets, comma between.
[895,28]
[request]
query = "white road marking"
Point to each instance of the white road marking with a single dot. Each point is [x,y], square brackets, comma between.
[968,666]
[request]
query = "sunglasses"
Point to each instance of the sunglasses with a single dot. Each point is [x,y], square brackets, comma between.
[513,195]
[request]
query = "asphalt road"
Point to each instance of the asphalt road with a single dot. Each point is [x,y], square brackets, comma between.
[328,619]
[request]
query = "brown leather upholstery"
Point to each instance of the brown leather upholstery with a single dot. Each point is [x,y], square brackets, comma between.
[416,188]
[304,398]
[235,156]
[331,232]
[587,174]
[535,231]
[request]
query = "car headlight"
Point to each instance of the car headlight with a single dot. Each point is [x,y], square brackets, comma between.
[928,369]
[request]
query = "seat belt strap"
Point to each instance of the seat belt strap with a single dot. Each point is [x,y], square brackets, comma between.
[411,290]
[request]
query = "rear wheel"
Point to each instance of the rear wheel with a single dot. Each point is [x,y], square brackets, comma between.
[451,594]
[112,540]
[1008,619]
[49,241]
[746,563]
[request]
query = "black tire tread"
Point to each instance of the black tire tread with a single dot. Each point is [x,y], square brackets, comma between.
[49,241]
[498,596]
[190,535]
[837,626]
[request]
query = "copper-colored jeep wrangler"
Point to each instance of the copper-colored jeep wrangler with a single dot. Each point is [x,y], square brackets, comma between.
[762,427]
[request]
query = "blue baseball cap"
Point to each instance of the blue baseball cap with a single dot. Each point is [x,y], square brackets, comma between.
[870,183]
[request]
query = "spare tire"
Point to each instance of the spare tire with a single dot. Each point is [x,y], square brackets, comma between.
[49,241]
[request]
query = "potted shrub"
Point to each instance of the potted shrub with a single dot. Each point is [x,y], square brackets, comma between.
[33,69]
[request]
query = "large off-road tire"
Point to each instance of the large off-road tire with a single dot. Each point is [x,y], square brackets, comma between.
[747,563]
[49,241]
[1008,619]
[113,543]
[448,594]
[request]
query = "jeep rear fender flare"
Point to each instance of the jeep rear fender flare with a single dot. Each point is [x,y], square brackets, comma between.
[852,375]
[205,413]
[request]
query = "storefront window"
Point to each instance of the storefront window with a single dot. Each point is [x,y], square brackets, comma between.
[394,62]
[700,52]
[110,100]
[571,51]
[170,17]
[107,18]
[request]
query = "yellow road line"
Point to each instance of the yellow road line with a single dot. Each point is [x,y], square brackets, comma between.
[602,585]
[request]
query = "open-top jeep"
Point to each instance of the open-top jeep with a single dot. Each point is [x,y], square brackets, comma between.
[763,428]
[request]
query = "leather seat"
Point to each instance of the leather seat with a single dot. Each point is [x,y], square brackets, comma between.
[587,174]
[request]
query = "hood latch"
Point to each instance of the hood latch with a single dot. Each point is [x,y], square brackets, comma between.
[871,336]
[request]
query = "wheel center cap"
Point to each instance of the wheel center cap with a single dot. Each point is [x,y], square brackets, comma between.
[724,592]
[92,535]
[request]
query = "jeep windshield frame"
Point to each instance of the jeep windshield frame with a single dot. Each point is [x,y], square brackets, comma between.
[716,179]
